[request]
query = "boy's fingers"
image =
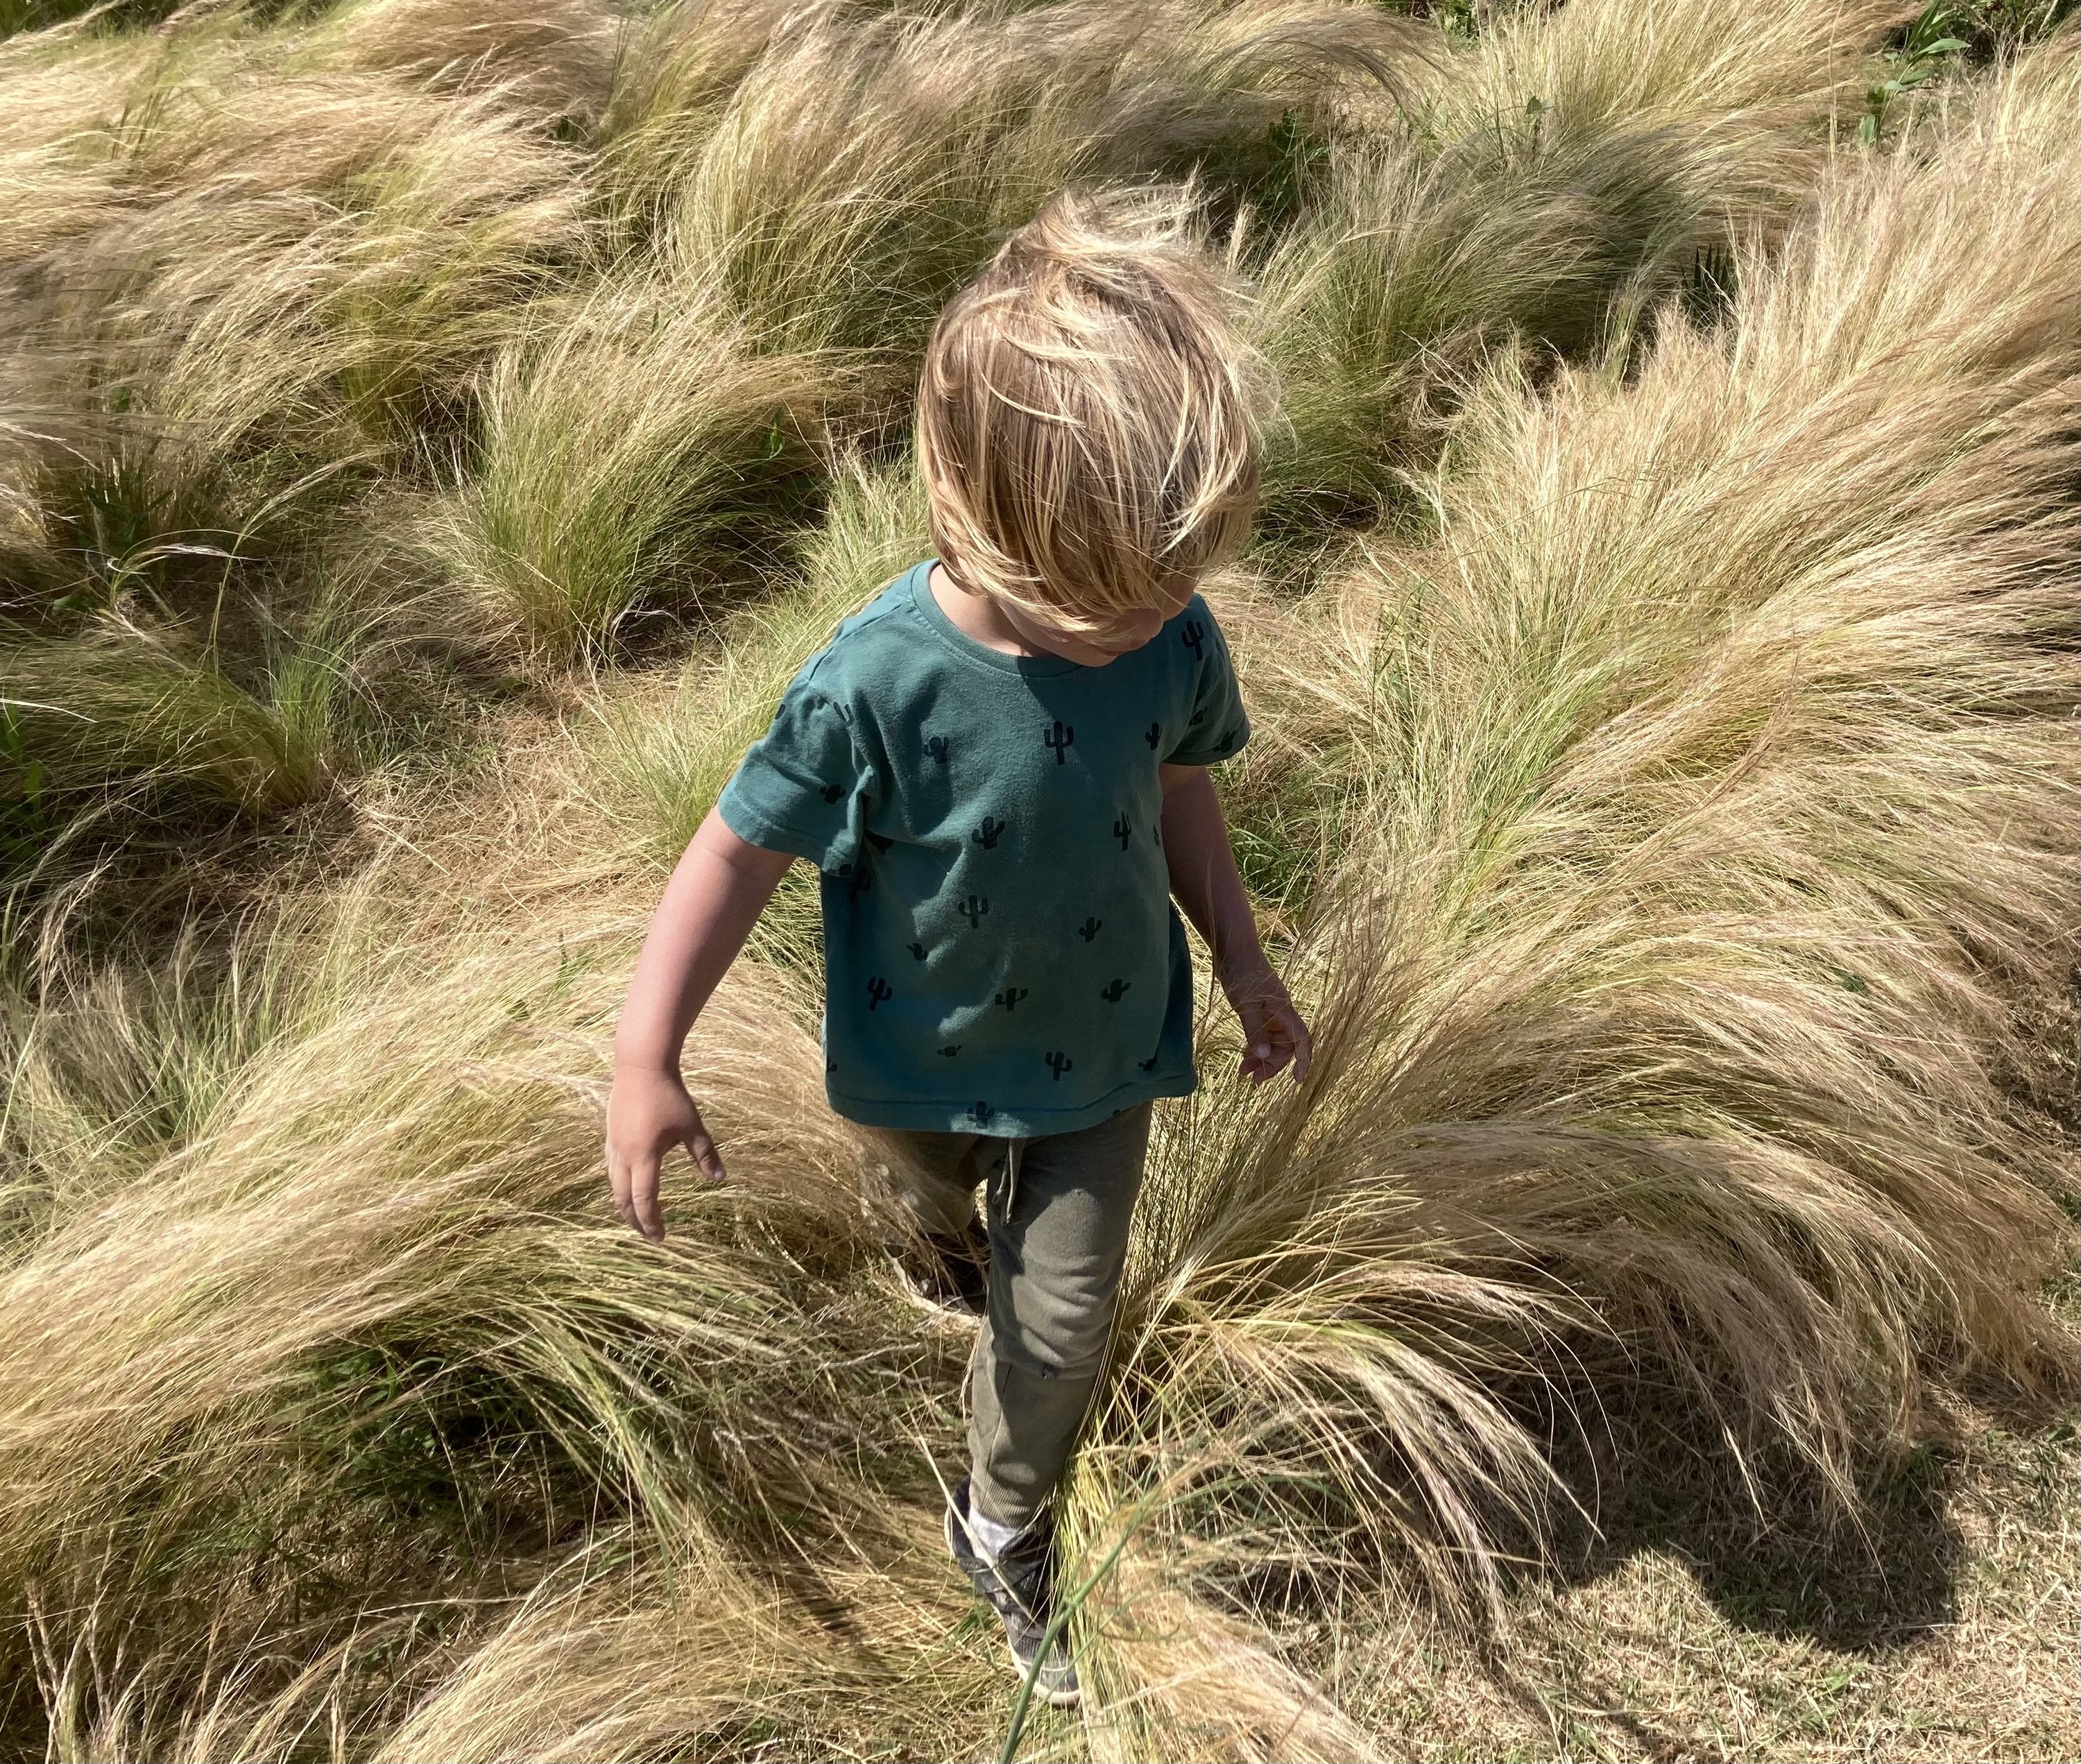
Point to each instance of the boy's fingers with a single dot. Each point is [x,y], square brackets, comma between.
[1303,1047]
[622,1171]
[1281,1040]
[643,1197]
[1274,1036]
[1262,1058]
[705,1154]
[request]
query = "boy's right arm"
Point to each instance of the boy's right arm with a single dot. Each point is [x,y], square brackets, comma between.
[719,887]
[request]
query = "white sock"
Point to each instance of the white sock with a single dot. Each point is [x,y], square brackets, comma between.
[991,1537]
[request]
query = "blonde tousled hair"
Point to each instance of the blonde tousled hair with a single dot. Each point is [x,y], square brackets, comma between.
[1088,413]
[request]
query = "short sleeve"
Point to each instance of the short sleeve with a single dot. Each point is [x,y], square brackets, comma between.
[1219,726]
[795,788]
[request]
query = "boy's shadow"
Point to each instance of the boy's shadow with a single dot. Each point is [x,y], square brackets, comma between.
[1772,1551]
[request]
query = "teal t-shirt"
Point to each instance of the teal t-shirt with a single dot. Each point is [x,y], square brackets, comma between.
[1001,954]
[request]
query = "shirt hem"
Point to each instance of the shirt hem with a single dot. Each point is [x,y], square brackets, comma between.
[939,1117]
[755,829]
[1209,756]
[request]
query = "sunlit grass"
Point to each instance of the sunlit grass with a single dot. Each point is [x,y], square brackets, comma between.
[1665,812]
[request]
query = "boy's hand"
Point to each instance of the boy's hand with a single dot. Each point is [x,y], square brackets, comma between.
[1272,1030]
[648,1114]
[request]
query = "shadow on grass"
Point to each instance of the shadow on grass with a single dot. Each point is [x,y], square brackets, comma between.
[1780,1562]
[1758,1531]
[1770,1550]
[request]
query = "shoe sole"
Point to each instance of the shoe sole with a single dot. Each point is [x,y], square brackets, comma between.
[939,1311]
[1055,1700]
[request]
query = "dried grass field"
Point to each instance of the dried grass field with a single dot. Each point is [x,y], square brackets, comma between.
[432,432]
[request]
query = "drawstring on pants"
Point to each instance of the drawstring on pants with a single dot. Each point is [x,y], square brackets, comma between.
[1008,1182]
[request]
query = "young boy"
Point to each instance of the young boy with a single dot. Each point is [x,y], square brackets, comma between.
[999,765]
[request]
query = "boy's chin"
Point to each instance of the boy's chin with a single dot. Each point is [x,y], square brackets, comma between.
[1087,655]
[1098,658]
[1067,649]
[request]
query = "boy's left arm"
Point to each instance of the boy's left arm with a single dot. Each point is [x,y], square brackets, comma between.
[1205,883]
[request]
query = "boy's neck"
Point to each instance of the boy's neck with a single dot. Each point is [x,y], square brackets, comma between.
[975,615]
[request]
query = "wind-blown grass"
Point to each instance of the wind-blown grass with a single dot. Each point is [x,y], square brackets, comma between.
[131,713]
[1547,188]
[330,163]
[867,167]
[663,764]
[1672,831]
[618,455]
[336,1348]
[1708,954]
[814,219]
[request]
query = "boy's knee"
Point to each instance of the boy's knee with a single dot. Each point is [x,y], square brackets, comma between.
[1061,1341]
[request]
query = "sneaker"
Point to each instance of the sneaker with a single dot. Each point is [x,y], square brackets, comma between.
[1019,1587]
[953,1274]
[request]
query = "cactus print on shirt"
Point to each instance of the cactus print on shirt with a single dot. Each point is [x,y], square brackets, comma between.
[1001,953]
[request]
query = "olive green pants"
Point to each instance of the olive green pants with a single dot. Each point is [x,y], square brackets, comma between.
[1056,1210]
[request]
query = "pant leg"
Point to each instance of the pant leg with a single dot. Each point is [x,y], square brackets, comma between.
[932,1176]
[1057,1209]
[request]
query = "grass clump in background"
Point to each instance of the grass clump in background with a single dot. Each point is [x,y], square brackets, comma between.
[431,435]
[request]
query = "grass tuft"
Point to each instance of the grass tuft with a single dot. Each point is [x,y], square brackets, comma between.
[432,432]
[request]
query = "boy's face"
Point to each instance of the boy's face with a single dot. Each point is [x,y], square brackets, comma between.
[1094,649]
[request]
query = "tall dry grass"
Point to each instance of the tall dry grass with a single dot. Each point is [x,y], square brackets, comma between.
[1669,823]
[866,166]
[340,1288]
[251,278]
[621,451]
[1542,192]
[811,190]
[1696,997]
[665,752]
[562,318]
[296,230]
